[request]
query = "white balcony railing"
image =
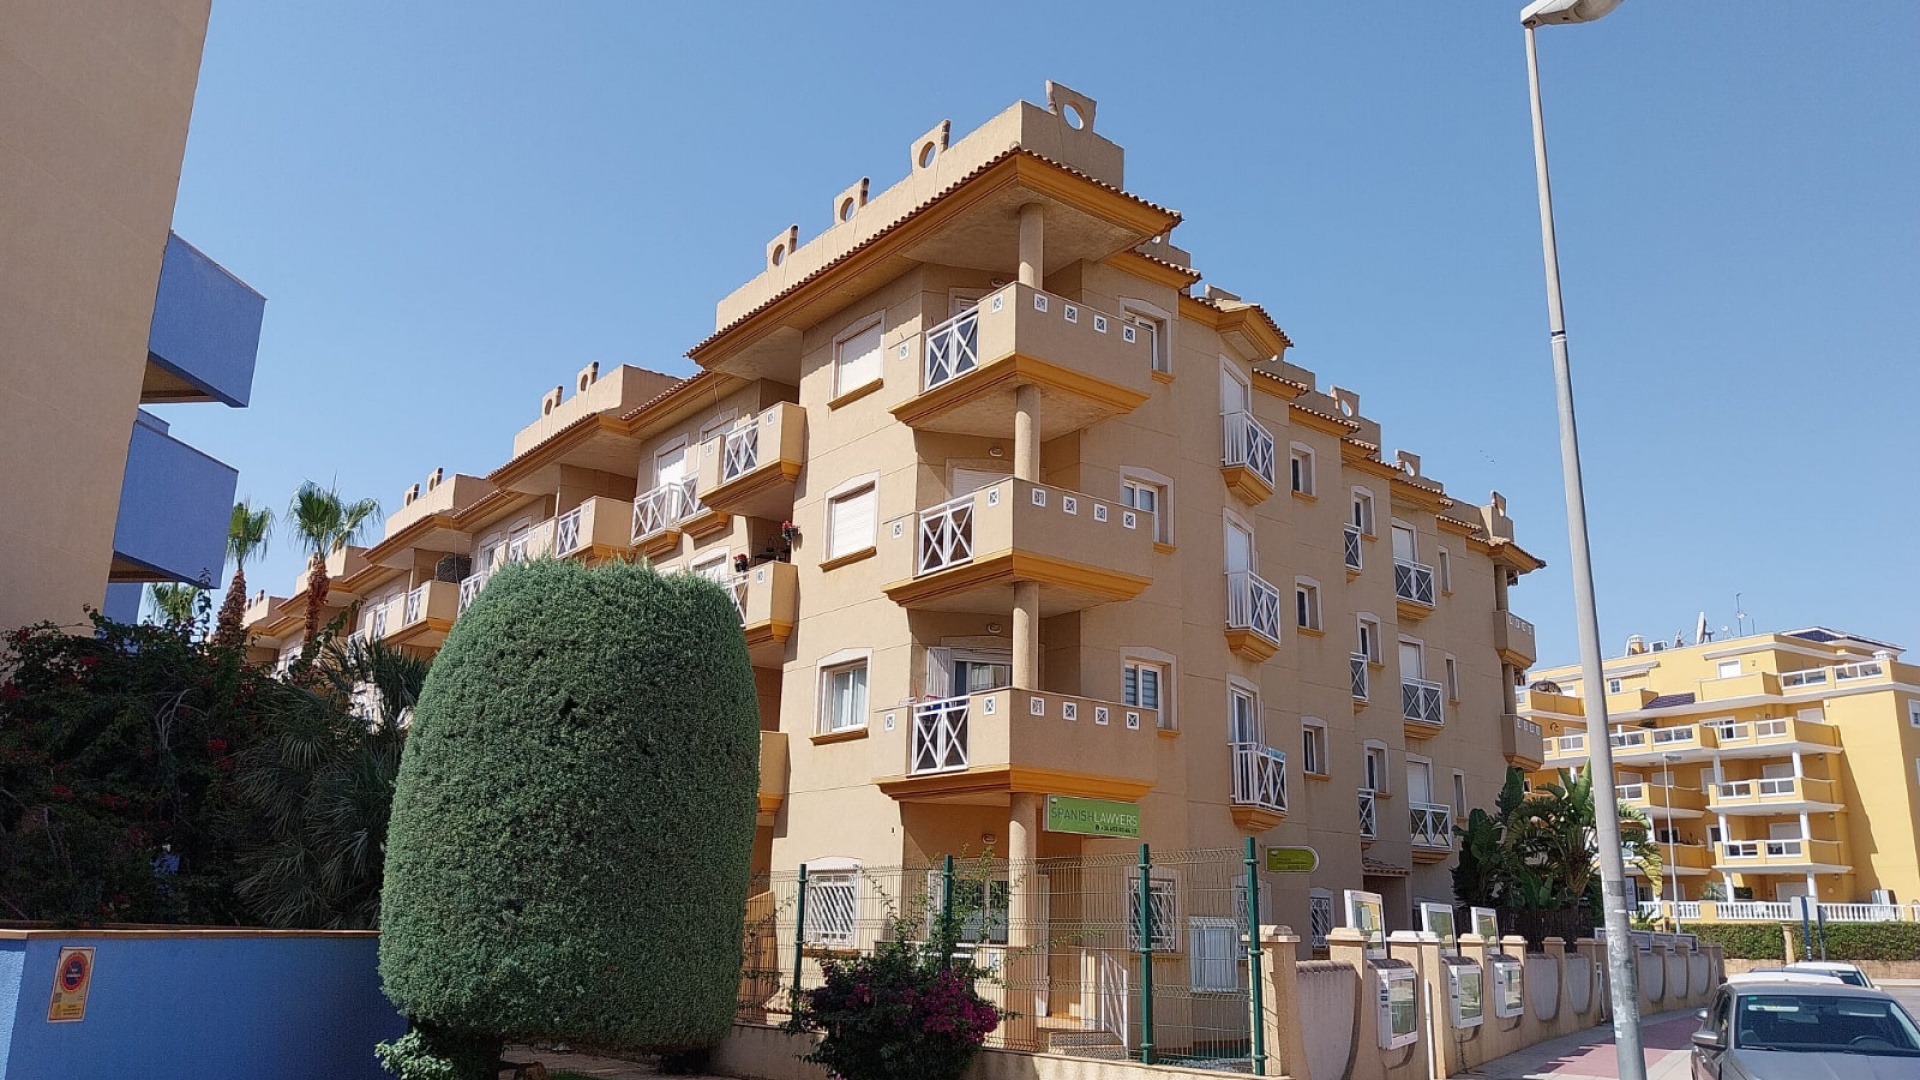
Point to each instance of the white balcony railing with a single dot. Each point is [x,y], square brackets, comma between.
[1357,663]
[1734,850]
[1769,788]
[1369,822]
[1432,825]
[939,741]
[566,533]
[471,585]
[665,507]
[1420,702]
[1252,604]
[1515,622]
[1790,680]
[1754,911]
[1667,736]
[377,626]
[1259,776]
[1860,912]
[945,536]
[953,349]
[416,606]
[737,588]
[1865,669]
[1413,581]
[1248,445]
[1350,546]
[740,453]
[1564,745]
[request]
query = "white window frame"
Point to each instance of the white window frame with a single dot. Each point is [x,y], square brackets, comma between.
[1433,776]
[1306,603]
[1720,669]
[1443,569]
[1361,507]
[1232,371]
[1239,687]
[1159,323]
[828,667]
[1154,658]
[1166,932]
[1451,671]
[1313,761]
[1367,630]
[837,875]
[1913,712]
[859,326]
[1613,686]
[848,490]
[682,444]
[1213,961]
[1162,488]
[1300,469]
[1459,799]
[719,424]
[1375,750]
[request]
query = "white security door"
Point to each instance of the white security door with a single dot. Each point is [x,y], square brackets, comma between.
[959,300]
[1787,890]
[1405,547]
[1233,392]
[670,465]
[1413,660]
[1243,717]
[1419,782]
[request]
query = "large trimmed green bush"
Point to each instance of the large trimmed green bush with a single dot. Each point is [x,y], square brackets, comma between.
[1742,940]
[573,824]
[1845,940]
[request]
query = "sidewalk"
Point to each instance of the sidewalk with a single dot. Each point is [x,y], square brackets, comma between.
[1668,1038]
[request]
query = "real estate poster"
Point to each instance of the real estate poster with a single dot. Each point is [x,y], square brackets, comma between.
[1437,919]
[1366,914]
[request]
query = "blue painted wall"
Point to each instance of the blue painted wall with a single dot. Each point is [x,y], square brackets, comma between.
[206,324]
[175,504]
[13,956]
[203,1005]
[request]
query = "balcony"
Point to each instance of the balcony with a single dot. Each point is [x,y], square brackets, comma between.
[1785,856]
[1357,672]
[1681,860]
[1253,616]
[1776,738]
[1813,680]
[1088,366]
[1529,700]
[1661,802]
[1369,818]
[205,333]
[595,531]
[1566,751]
[965,554]
[751,470]
[1432,827]
[1521,742]
[1421,708]
[1259,786]
[1000,741]
[1513,639]
[1247,461]
[1691,742]
[1350,549]
[773,776]
[175,502]
[1780,795]
[768,599]
[1412,588]
[531,544]
[426,614]
[661,516]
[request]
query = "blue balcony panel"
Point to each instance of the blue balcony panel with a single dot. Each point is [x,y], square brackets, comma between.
[174,506]
[205,334]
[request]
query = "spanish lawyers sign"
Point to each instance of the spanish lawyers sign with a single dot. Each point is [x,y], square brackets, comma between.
[1092,817]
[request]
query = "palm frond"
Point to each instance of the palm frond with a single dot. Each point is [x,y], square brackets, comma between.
[248,531]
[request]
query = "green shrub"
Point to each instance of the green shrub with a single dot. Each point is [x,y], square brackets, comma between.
[422,1055]
[573,826]
[1871,941]
[1742,940]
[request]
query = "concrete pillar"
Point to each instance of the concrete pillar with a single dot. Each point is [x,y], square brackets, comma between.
[1026,594]
[1286,1043]
[1023,846]
[1026,433]
[1033,245]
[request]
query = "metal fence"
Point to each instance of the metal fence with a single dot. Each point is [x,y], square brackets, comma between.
[1149,957]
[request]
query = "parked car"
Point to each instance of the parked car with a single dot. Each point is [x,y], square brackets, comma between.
[1781,975]
[1803,1026]
[1846,973]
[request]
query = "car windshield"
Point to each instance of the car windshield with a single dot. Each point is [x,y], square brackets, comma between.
[1824,1023]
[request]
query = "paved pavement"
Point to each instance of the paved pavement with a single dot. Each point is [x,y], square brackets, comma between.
[1668,1038]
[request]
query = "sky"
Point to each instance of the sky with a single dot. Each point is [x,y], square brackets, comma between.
[452,208]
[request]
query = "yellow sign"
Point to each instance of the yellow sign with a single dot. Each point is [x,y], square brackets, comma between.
[1292,860]
[72,977]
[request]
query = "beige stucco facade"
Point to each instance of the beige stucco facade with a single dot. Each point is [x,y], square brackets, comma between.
[1772,765]
[1014,509]
[98,96]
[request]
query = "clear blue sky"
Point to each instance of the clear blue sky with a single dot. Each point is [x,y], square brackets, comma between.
[453,207]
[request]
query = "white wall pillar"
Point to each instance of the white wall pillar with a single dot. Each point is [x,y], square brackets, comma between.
[1033,245]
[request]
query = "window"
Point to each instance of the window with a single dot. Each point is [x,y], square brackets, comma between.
[961,672]
[1302,468]
[1152,328]
[1146,680]
[1459,795]
[1213,947]
[1363,511]
[1443,569]
[1913,712]
[1374,770]
[1148,497]
[714,568]
[1313,747]
[1453,679]
[844,694]
[1243,716]
[1369,642]
[850,522]
[1160,908]
[984,904]
[1613,686]
[1306,604]
[831,900]
[856,356]
[1728,669]
[1319,917]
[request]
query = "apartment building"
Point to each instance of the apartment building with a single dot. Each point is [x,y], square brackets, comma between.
[1774,766]
[1041,548]
[104,310]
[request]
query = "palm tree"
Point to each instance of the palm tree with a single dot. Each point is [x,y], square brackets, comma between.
[248,531]
[174,602]
[1555,836]
[325,523]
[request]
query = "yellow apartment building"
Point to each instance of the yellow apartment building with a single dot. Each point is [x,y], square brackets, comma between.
[1773,765]
[1016,513]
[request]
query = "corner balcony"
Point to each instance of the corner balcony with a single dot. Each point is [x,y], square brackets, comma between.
[1513,639]
[1432,828]
[1820,679]
[1566,751]
[751,470]
[1259,786]
[1421,708]
[595,531]
[661,516]
[1796,856]
[1247,462]
[773,776]
[1780,795]
[1690,742]
[1661,802]
[965,554]
[1521,742]
[768,599]
[1680,860]
[1088,366]
[983,746]
[425,615]
[1776,738]
[1412,589]
[1253,616]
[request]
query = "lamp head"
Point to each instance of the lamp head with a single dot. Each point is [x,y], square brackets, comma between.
[1565,11]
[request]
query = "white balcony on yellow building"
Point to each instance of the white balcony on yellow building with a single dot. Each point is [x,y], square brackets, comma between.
[768,598]
[425,615]
[966,554]
[596,530]
[1776,795]
[1431,826]
[1663,802]
[1089,365]
[1253,616]
[1521,742]
[751,469]
[1423,710]
[1259,786]
[1792,856]
[1775,738]
[1513,639]
[983,746]
[661,515]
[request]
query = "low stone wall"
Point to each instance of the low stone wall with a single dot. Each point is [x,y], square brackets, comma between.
[755,1052]
[1877,970]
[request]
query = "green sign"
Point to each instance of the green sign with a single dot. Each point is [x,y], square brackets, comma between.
[1092,817]
[1292,860]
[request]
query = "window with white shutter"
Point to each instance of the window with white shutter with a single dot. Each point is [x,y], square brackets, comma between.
[856,358]
[850,522]
[1212,947]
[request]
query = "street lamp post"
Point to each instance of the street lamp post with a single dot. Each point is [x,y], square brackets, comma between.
[1673,871]
[1621,982]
